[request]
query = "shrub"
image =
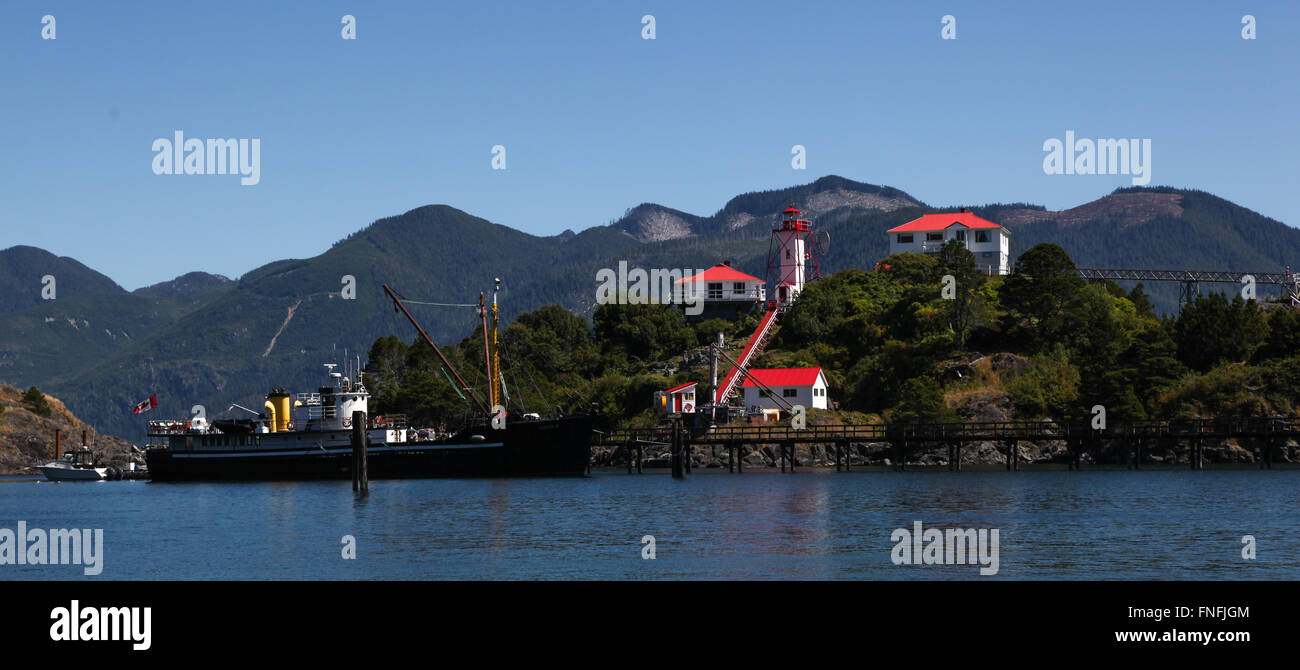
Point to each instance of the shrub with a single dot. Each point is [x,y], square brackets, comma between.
[1047,388]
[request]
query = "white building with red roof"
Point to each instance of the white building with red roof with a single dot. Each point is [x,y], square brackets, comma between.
[797,386]
[989,241]
[676,400]
[718,284]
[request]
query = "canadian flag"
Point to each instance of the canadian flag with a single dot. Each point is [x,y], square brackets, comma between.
[147,405]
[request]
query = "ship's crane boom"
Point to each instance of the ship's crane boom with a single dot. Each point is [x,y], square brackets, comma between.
[738,370]
[397,301]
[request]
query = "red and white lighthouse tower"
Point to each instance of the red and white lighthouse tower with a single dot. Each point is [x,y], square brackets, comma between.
[790,257]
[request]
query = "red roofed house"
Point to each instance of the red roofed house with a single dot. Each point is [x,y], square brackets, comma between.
[990,242]
[720,283]
[797,386]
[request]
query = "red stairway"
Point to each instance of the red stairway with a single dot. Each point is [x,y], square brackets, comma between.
[752,348]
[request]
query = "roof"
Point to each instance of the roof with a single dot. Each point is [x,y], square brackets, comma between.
[678,388]
[784,376]
[943,221]
[719,272]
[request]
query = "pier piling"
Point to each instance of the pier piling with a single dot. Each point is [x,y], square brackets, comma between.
[360,477]
[676,450]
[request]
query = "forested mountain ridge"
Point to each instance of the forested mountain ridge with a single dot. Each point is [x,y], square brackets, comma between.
[102,349]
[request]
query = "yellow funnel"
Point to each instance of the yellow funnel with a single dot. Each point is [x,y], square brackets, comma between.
[280,414]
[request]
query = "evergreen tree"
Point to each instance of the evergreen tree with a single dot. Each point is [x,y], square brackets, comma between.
[1038,295]
[1211,330]
[959,263]
[1283,339]
[1141,301]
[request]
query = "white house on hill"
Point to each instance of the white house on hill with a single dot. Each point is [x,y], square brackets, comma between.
[797,386]
[720,283]
[990,242]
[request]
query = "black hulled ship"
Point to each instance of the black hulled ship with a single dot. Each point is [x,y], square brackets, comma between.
[309,436]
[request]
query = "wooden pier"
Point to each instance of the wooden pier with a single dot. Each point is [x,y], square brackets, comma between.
[1133,439]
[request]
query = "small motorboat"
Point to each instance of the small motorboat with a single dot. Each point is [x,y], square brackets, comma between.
[76,465]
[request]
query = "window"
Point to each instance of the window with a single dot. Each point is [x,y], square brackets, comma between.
[961,235]
[738,288]
[981,236]
[789,393]
[715,290]
[787,253]
[904,239]
[934,237]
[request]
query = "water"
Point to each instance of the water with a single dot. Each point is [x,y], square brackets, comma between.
[1152,524]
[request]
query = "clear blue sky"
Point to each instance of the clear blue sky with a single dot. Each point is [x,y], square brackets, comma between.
[595,119]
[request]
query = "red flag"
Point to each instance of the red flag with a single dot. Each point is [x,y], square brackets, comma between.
[147,405]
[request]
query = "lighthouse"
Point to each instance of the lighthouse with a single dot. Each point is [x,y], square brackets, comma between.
[788,256]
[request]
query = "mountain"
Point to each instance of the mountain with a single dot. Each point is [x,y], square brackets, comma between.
[829,199]
[195,340]
[22,278]
[185,286]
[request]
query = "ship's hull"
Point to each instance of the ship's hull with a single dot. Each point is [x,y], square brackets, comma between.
[56,473]
[554,447]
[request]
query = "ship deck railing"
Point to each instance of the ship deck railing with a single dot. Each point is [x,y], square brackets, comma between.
[390,422]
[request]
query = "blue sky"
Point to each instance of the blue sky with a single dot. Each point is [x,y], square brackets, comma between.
[596,119]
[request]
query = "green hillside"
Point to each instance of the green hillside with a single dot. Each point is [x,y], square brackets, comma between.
[23,268]
[102,349]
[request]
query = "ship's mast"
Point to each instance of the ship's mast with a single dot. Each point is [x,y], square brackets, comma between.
[487,354]
[495,371]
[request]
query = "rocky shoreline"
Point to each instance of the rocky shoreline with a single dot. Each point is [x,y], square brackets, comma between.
[27,438]
[986,453]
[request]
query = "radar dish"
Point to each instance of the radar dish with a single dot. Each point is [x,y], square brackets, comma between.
[822,241]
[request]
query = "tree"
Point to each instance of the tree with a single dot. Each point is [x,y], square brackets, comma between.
[1210,331]
[1283,340]
[1095,337]
[36,402]
[1151,363]
[910,268]
[1039,292]
[1141,301]
[956,261]
[554,340]
[385,366]
[641,332]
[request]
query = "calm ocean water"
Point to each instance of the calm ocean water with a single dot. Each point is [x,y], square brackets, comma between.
[1151,524]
